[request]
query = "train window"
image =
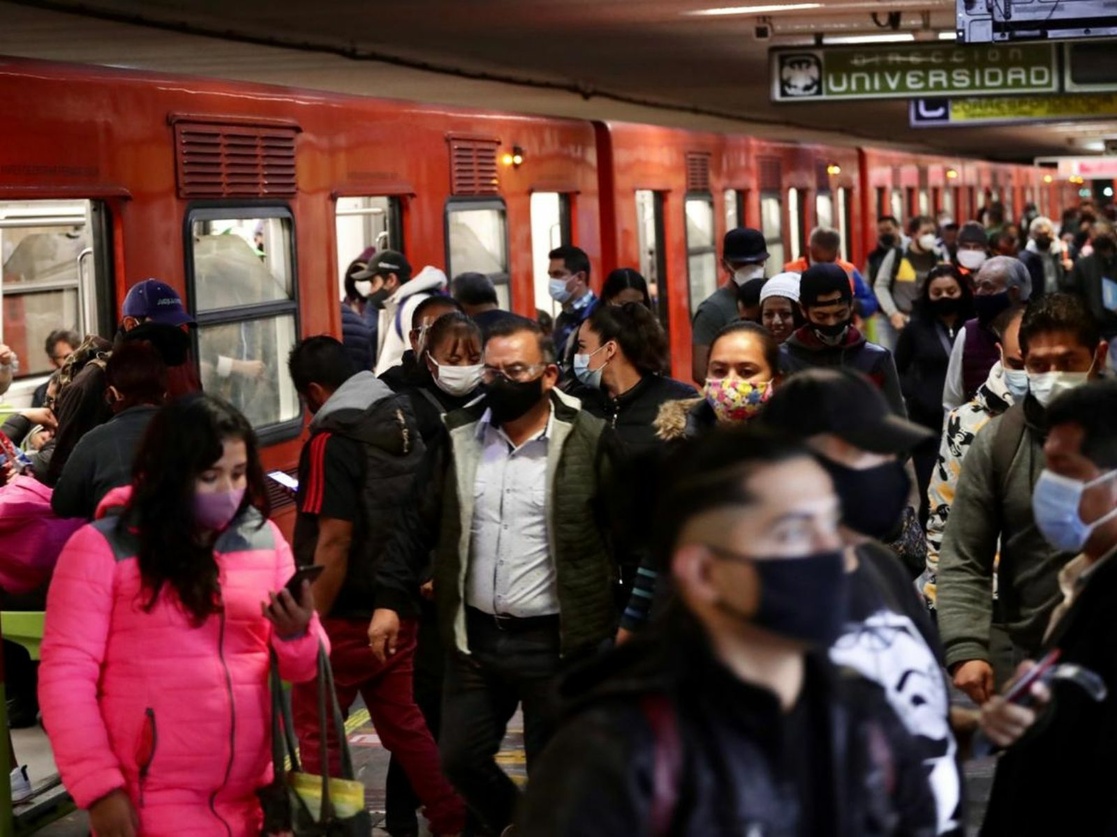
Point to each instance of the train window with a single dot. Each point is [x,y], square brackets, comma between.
[771,224]
[948,202]
[363,223]
[924,203]
[550,228]
[795,224]
[844,201]
[824,209]
[50,251]
[701,252]
[898,205]
[649,243]
[241,271]
[734,210]
[477,241]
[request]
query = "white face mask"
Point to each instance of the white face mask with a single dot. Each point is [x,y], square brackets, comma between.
[1016,382]
[971,259]
[750,271]
[1055,503]
[456,380]
[927,242]
[363,287]
[1047,386]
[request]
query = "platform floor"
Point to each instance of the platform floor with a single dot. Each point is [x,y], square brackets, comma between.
[371,762]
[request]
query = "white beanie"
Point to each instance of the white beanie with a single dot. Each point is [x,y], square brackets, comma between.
[782,284]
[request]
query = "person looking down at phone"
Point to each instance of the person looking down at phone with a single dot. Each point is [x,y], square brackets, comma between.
[1058,776]
[355,474]
[159,624]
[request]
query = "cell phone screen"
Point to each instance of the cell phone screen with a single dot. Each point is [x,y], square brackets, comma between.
[1021,689]
[285,479]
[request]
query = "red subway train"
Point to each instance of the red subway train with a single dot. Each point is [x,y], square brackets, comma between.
[251,200]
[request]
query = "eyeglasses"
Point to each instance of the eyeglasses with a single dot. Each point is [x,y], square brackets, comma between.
[516,373]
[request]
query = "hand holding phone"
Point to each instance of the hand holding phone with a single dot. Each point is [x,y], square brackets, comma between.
[1020,692]
[295,583]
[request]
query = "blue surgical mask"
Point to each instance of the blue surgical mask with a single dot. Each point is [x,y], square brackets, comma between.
[582,371]
[1055,503]
[1016,382]
[558,290]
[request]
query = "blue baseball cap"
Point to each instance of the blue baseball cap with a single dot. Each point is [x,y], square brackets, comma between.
[156,301]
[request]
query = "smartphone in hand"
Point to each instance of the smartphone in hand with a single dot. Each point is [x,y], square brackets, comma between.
[295,583]
[284,479]
[1020,692]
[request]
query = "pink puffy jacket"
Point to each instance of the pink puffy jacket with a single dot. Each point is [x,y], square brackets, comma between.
[178,716]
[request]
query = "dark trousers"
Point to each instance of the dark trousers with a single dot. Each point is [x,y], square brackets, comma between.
[506,667]
[401,801]
[387,692]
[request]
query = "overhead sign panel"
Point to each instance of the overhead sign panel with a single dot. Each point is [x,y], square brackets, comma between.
[905,71]
[1010,110]
[1090,168]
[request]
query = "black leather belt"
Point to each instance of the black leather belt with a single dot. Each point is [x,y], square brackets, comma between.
[512,624]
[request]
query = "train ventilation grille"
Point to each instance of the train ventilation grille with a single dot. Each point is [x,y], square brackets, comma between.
[234,161]
[768,173]
[473,168]
[697,172]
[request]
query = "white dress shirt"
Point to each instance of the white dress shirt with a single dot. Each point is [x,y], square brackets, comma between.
[511,572]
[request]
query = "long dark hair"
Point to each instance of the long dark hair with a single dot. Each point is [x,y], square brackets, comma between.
[622,279]
[965,310]
[184,439]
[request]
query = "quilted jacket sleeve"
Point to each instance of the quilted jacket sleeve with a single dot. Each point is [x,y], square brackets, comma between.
[298,656]
[78,618]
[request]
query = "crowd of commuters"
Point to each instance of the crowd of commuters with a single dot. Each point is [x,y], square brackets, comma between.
[788,597]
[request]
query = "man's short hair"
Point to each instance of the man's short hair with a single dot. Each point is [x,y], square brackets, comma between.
[1092,407]
[515,324]
[1059,312]
[574,258]
[432,301]
[474,289]
[61,335]
[891,219]
[826,238]
[320,360]
[918,221]
[1038,222]
[1006,318]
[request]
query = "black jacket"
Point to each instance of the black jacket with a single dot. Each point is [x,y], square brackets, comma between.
[358,334]
[1086,279]
[100,462]
[633,414]
[1060,778]
[745,768]
[922,355]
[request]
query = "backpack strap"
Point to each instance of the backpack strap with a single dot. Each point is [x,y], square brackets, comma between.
[1010,432]
[668,766]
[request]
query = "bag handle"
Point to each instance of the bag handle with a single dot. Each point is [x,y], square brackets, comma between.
[327,698]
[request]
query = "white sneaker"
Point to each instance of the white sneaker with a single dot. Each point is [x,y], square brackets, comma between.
[21,785]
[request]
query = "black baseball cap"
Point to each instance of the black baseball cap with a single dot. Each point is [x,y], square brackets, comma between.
[844,403]
[744,245]
[823,278]
[383,263]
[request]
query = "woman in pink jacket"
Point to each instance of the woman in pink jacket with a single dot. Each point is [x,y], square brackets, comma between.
[154,677]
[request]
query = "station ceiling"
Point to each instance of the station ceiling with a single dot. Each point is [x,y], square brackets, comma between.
[638,60]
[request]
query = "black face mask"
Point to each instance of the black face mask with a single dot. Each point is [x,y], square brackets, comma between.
[377,298]
[1043,243]
[945,306]
[832,334]
[887,240]
[873,499]
[988,307]
[511,399]
[805,599]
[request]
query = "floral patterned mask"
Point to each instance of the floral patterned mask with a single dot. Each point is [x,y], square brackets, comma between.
[734,399]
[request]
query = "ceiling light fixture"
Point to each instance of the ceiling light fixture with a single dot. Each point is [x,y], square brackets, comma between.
[851,40]
[1047,178]
[951,174]
[833,169]
[754,10]
[948,36]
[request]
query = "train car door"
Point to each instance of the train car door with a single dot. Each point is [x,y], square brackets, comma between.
[701,247]
[649,244]
[550,228]
[477,241]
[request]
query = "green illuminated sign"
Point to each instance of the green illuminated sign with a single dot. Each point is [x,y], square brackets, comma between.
[911,70]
